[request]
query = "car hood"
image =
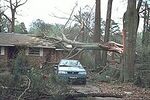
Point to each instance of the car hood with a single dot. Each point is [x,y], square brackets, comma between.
[75,69]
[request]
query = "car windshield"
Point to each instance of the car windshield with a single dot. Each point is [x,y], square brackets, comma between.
[69,63]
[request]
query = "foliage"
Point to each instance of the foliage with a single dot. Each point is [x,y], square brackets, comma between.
[142,75]
[46,84]
[21,28]
[115,33]
[40,28]
[87,59]
[108,75]
[5,24]
[43,82]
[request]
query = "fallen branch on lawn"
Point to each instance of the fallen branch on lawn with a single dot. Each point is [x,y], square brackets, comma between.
[115,95]
[78,95]
[29,82]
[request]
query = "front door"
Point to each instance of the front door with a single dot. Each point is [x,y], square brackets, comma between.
[12,52]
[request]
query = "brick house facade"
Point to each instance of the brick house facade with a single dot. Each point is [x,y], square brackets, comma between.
[38,51]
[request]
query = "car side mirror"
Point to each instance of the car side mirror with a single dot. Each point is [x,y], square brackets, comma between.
[84,67]
[55,67]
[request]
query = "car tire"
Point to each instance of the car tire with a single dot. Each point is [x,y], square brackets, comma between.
[84,82]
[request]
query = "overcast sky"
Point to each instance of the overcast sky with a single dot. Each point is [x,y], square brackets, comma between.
[42,9]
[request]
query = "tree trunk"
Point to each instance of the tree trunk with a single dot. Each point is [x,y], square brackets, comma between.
[130,42]
[0,21]
[107,30]
[0,18]
[13,11]
[97,31]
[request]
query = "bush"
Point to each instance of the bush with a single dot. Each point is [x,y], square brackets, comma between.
[46,84]
[108,75]
[142,76]
[42,82]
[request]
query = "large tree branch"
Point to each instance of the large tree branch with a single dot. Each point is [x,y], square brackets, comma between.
[7,17]
[139,5]
[109,46]
[29,82]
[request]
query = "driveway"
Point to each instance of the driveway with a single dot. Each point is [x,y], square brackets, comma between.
[85,89]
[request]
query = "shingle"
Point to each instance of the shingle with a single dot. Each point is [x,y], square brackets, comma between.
[23,39]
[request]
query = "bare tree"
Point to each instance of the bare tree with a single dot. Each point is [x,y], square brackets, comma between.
[13,5]
[0,17]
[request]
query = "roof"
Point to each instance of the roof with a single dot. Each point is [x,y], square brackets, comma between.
[15,39]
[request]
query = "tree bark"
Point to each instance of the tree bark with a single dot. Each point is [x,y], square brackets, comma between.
[0,17]
[130,42]
[0,21]
[107,30]
[97,31]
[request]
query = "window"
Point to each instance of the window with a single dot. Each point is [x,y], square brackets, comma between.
[2,51]
[35,51]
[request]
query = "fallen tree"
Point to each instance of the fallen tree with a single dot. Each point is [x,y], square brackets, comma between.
[75,95]
[70,44]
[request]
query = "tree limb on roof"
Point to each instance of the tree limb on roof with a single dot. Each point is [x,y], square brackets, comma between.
[109,46]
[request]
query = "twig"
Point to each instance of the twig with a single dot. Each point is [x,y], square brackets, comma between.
[76,53]
[70,52]
[70,15]
[29,82]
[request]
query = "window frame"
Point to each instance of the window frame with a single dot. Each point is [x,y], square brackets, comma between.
[2,50]
[34,51]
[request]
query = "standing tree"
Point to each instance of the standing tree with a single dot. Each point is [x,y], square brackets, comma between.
[0,17]
[131,22]
[107,30]
[13,5]
[0,23]
[97,31]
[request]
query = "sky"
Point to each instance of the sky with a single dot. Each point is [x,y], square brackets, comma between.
[44,9]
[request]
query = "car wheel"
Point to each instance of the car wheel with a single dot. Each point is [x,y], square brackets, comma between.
[84,82]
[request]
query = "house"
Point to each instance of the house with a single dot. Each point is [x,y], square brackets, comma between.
[37,50]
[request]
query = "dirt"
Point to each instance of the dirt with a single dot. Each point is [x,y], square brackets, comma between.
[130,91]
[89,88]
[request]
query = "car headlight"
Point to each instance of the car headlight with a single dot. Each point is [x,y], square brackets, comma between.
[82,73]
[62,72]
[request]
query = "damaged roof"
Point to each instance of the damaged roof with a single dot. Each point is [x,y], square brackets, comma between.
[16,39]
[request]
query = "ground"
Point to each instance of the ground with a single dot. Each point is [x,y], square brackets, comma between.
[130,91]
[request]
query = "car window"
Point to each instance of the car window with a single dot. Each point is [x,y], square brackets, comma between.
[74,63]
[63,62]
